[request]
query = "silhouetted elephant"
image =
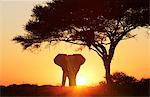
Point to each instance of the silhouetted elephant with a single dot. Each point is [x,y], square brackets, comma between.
[70,65]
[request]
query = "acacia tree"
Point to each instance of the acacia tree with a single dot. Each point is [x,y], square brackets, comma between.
[94,23]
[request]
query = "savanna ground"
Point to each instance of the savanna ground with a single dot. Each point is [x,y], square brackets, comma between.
[137,88]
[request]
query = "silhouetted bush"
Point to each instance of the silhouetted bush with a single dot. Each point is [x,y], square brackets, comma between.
[128,85]
[121,78]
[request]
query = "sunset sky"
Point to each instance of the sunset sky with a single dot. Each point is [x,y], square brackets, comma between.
[18,66]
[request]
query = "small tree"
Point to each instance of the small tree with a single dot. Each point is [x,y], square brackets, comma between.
[94,23]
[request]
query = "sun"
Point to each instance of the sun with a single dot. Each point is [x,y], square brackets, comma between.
[81,81]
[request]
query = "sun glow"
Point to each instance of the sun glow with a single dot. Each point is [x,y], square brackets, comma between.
[81,81]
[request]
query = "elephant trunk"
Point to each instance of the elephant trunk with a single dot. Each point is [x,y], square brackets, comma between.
[72,73]
[71,77]
[72,80]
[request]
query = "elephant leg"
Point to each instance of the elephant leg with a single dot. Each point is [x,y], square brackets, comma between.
[64,78]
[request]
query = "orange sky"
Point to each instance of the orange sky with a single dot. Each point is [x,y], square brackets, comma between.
[18,66]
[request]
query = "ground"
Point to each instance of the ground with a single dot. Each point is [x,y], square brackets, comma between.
[49,90]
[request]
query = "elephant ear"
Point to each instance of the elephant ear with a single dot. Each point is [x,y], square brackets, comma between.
[60,60]
[78,59]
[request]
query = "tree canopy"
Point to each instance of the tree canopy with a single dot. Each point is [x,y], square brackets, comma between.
[71,20]
[93,23]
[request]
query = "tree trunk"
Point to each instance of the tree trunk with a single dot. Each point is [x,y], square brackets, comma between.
[107,68]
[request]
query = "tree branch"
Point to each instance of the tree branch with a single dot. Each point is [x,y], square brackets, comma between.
[124,33]
[98,49]
[106,43]
[74,42]
[102,47]
[116,28]
[74,29]
[97,52]
[133,36]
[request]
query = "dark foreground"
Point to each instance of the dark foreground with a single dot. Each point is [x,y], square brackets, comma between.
[136,89]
